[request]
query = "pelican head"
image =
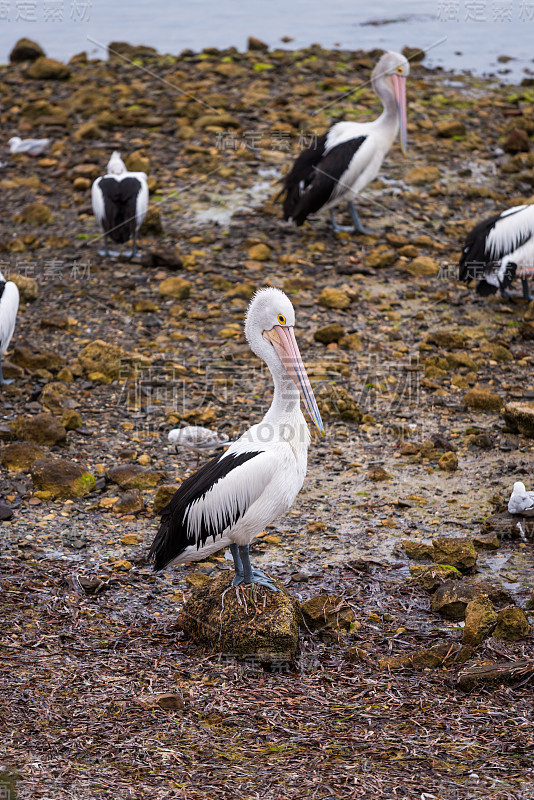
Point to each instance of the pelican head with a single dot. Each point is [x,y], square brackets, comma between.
[116,165]
[391,72]
[269,329]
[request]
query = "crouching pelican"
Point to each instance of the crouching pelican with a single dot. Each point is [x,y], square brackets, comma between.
[499,249]
[9,305]
[231,499]
[120,203]
[348,157]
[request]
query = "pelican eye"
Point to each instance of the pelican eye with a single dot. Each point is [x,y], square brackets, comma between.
[281,319]
[399,70]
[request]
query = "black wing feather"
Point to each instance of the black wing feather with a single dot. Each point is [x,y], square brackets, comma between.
[325,179]
[302,172]
[173,536]
[120,201]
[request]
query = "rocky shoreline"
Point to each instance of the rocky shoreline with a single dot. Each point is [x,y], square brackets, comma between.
[426,389]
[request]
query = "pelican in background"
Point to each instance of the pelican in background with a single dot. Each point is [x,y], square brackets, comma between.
[348,157]
[120,203]
[233,497]
[499,249]
[9,305]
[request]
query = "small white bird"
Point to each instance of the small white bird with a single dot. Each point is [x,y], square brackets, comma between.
[32,147]
[9,304]
[521,501]
[232,498]
[348,157]
[120,203]
[198,439]
[498,250]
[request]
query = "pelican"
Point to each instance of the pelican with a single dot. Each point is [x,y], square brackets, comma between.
[9,305]
[521,501]
[348,157]
[120,203]
[499,249]
[232,498]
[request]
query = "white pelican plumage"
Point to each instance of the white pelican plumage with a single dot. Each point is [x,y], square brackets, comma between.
[348,157]
[499,249]
[232,498]
[120,203]
[9,305]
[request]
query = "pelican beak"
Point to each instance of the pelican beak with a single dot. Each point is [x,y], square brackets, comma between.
[284,342]
[399,87]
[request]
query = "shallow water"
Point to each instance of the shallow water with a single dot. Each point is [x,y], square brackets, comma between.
[460,34]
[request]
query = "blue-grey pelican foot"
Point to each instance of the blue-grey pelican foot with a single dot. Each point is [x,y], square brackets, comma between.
[4,381]
[359,227]
[244,573]
[339,228]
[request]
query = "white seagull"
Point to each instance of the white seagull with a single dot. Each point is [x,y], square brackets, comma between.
[198,439]
[233,497]
[120,203]
[521,501]
[499,249]
[32,147]
[9,304]
[348,157]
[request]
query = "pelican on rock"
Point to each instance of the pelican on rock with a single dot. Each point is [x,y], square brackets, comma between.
[500,249]
[9,305]
[120,203]
[233,497]
[345,159]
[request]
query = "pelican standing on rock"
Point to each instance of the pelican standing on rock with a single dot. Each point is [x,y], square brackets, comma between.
[348,157]
[233,497]
[499,249]
[120,203]
[9,305]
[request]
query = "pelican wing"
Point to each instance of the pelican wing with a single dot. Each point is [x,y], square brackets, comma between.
[301,174]
[210,502]
[327,175]
[493,239]
[9,303]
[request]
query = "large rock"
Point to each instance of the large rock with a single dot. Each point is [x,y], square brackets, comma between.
[327,615]
[451,599]
[445,654]
[331,297]
[19,456]
[41,428]
[482,400]
[111,360]
[335,402]
[134,476]
[29,358]
[512,625]
[164,495]
[253,624]
[28,287]
[35,214]
[430,578]
[60,478]
[480,619]
[44,68]
[330,333]
[25,50]
[456,552]
[520,417]
[175,287]
[129,503]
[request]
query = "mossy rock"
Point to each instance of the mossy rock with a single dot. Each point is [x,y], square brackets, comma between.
[432,576]
[520,418]
[330,333]
[134,476]
[335,402]
[328,615]
[445,654]
[480,620]
[61,478]
[512,625]
[255,624]
[482,400]
[110,360]
[41,428]
[19,456]
[454,552]
[164,495]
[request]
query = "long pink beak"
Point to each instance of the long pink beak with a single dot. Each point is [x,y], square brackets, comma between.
[285,344]
[399,87]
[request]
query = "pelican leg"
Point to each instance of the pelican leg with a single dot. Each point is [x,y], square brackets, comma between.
[106,252]
[358,225]
[526,290]
[339,228]
[133,252]
[247,574]
[238,566]
[4,381]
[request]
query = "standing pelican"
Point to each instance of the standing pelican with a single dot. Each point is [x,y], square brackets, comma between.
[498,249]
[9,304]
[231,499]
[348,157]
[120,203]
